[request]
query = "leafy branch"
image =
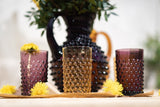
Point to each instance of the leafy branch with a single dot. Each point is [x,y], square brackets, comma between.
[48,9]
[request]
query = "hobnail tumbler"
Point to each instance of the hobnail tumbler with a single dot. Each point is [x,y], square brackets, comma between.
[77,66]
[33,69]
[129,64]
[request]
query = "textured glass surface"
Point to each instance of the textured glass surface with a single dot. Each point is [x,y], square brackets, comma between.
[129,63]
[78,30]
[33,69]
[77,66]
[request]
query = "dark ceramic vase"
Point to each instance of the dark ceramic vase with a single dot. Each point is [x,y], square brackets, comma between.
[78,28]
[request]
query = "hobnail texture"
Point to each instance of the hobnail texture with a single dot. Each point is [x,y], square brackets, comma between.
[78,29]
[33,69]
[99,64]
[77,66]
[130,70]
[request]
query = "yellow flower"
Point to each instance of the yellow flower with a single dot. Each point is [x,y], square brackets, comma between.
[113,87]
[8,89]
[39,89]
[159,92]
[93,35]
[30,47]
[37,3]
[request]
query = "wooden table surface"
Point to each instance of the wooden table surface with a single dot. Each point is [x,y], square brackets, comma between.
[153,101]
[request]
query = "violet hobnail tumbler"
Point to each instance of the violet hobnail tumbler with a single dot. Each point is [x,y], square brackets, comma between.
[33,69]
[129,63]
[77,66]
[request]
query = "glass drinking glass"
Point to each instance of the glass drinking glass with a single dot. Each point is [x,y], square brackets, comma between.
[129,66]
[77,66]
[33,69]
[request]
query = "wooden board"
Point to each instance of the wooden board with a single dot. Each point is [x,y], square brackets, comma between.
[76,95]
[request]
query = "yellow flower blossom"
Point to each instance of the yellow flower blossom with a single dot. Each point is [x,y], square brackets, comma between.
[93,35]
[37,3]
[8,89]
[30,47]
[113,87]
[159,92]
[39,89]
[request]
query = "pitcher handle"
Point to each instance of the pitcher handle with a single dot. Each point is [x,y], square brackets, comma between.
[54,47]
[94,35]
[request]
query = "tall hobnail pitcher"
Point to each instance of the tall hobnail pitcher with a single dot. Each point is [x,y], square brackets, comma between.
[78,28]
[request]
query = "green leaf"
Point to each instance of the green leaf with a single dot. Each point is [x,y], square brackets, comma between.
[106,16]
[70,5]
[93,9]
[92,2]
[114,13]
[31,23]
[99,15]
[36,18]
[99,4]
[43,2]
[27,15]
[111,7]
[102,6]
[82,11]
[58,21]
[77,9]
[33,8]
[29,12]
[42,32]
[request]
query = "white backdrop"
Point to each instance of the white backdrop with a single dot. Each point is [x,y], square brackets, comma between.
[137,18]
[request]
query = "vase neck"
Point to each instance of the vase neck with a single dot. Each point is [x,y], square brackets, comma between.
[73,33]
[79,25]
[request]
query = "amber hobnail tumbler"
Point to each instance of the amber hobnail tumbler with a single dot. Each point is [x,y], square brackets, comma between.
[129,63]
[33,69]
[77,66]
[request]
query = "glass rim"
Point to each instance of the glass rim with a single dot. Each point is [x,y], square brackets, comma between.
[129,50]
[21,51]
[78,47]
